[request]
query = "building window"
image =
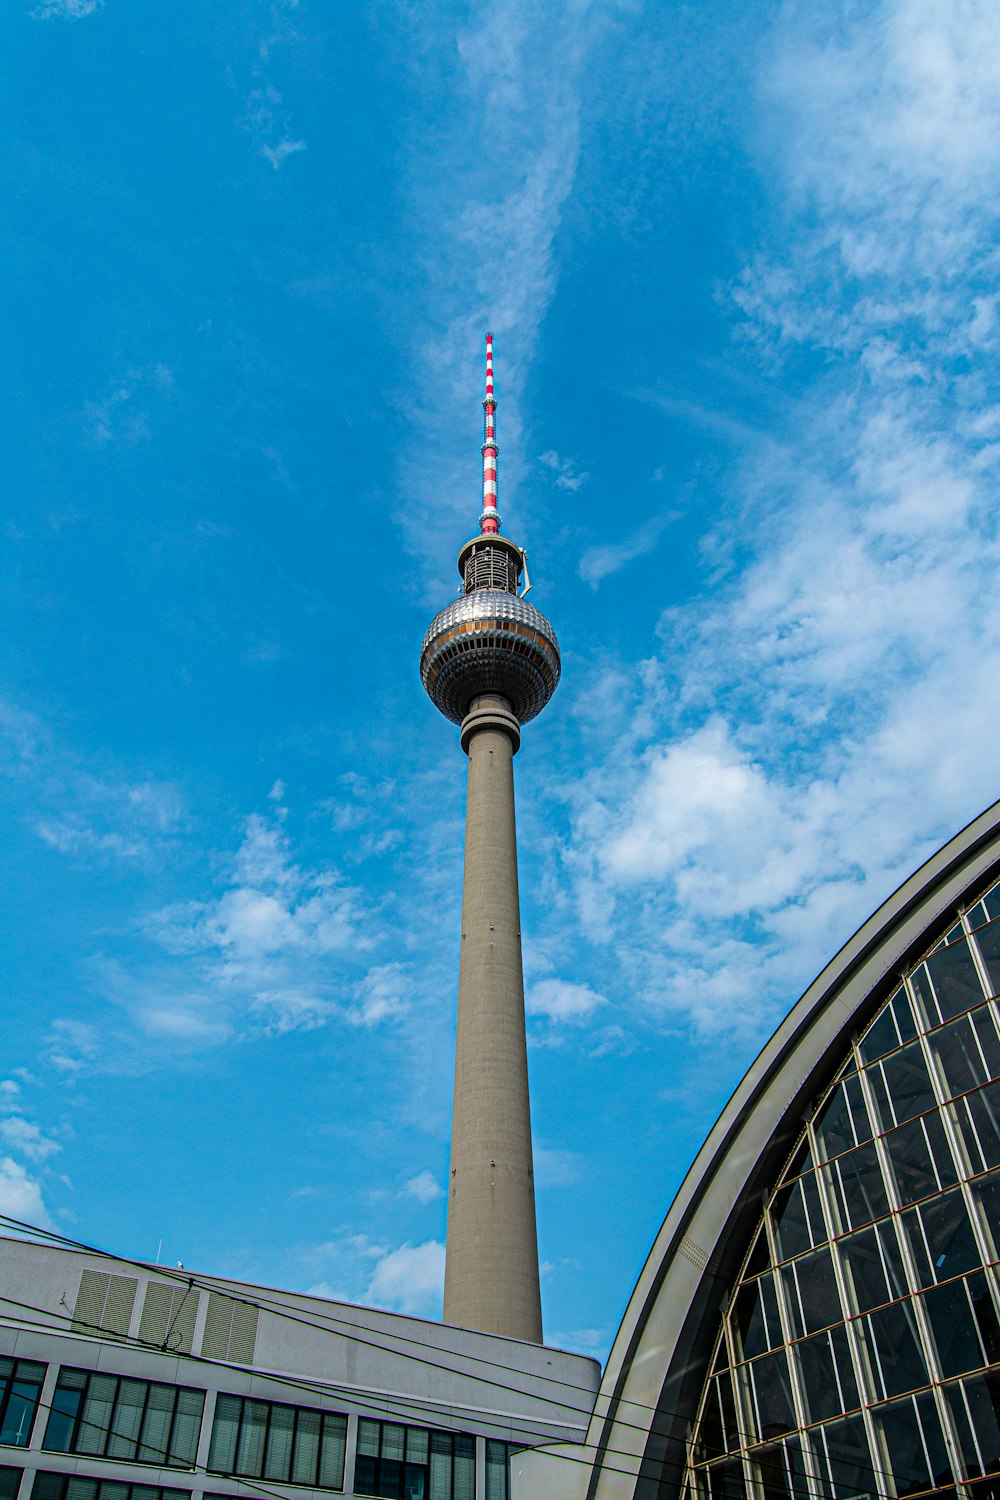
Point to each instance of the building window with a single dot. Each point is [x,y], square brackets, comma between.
[113,1416]
[414,1463]
[78,1487]
[498,1457]
[20,1386]
[10,1481]
[290,1444]
[860,1351]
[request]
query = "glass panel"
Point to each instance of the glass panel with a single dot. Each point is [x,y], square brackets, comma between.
[719,1432]
[155,1444]
[393,1440]
[306,1456]
[465,1467]
[915,1444]
[368,1435]
[873,1266]
[222,1452]
[880,1038]
[440,1466]
[18,1417]
[849,1460]
[988,943]
[908,1085]
[974,1404]
[278,1455]
[62,1418]
[961,1316]
[987,1195]
[857,1189]
[811,1292]
[416,1445]
[334,1447]
[948,1246]
[755,1318]
[250,1453]
[955,980]
[844,1122]
[826,1375]
[364,1474]
[414,1481]
[496,1470]
[124,1438]
[920,1159]
[773,1395]
[979,1121]
[958,1057]
[726,1482]
[895,1353]
[96,1417]
[190,1407]
[797,1217]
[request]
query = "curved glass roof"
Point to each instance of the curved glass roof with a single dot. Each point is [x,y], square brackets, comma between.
[859,1354]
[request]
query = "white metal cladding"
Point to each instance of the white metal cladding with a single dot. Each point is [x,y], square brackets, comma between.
[490,642]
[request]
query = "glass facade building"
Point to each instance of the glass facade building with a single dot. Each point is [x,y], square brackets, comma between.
[860,1353]
[819,1317]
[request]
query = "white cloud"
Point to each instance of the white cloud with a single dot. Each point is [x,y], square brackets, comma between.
[600,562]
[383,995]
[26,1138]
[66,10]
[558,1000]
[567,475]
[410,1279]
[826,714]
[519,82]
[21,1196]
[556,1168]
[424,1187]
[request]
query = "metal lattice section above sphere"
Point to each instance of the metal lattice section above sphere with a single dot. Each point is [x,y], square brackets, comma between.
[490,642]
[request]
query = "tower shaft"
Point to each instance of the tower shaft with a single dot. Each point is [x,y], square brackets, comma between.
[491,1265]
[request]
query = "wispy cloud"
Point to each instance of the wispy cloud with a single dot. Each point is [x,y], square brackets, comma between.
[124,413]
[264,117]
[424,1187]
[65,10]
[86,810]
[506,155]
[567,476]
[600,562]
[409,1279]
[816,723]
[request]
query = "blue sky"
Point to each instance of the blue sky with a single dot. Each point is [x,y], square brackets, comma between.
[740,260]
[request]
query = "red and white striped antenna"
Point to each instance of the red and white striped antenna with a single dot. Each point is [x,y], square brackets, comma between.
[489,521]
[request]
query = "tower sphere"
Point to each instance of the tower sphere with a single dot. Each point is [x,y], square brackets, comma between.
[490,641]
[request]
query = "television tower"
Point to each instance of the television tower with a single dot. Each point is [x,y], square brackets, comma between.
[490,661]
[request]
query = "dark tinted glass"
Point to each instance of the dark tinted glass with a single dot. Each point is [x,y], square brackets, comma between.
[873,1266]
[898,1364]
[844,1122]
[858,1189]
[987,1195]
[955,1325]
[811,1292]
[826,1375]
[920,1158]
[954,978]
[725,1482]
[978,1431]
[947,1247]
[979,1121]
[907,1083]
[850,1464]
[988,943]
[917,1455]
[755,1318]
[797,1217]
[773,1395]
[959,1058]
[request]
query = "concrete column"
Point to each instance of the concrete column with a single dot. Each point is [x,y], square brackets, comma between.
[491,1265]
